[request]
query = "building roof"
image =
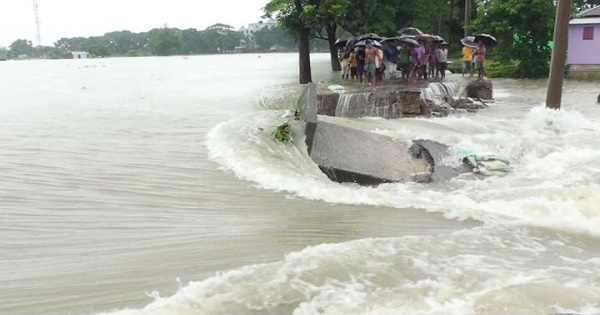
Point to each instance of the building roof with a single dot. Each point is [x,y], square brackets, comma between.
[584,21]
[593,12]
[80,52]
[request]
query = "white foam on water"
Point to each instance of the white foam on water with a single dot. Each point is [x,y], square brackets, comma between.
[554,154]
[500,268]
[446,274]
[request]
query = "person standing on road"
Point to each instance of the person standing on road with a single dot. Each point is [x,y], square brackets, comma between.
[467,53]
[371,62]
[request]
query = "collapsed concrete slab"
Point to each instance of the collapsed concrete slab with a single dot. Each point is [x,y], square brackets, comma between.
[350,155]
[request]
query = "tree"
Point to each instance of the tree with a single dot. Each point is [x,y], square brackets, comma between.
[268,37]
[21,47]
[4,53]
[327,15]
[581,5]
[165,42]
[71,44]
[520,43]
[291,17]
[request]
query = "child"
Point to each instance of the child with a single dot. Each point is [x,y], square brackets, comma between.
[345,63]
[404,62]
[353,64]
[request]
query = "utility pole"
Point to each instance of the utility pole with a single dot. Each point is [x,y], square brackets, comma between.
[559,55]
[468,11]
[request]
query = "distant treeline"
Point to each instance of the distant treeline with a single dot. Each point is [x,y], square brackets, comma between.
[219,38]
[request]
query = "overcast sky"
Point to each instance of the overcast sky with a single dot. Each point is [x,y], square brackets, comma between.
[70,18]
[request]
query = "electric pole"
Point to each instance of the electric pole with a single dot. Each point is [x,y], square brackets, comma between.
[559,55]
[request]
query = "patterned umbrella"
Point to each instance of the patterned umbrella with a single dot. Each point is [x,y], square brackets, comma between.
[371,36]
[469,41]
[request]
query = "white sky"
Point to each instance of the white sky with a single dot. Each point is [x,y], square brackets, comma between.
[70,18]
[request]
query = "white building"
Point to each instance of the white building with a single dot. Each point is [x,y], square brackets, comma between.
[80,54]
[250,29]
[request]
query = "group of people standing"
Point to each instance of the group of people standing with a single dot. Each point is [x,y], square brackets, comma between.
[370,64]
[429,60]
[365,63]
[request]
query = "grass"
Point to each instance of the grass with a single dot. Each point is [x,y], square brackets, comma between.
[494,69]
[585,77]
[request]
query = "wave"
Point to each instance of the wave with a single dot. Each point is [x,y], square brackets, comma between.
[447,274]
[554,183]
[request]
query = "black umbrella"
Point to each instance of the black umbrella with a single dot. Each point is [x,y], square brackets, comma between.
[410,42]
[341,42]
[409,31]
[487,39]
[370,36]
[391,41]
[395,41]
[360,43]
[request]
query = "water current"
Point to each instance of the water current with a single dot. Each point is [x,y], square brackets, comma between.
[153,186]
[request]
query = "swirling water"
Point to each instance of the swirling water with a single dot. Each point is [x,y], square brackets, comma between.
[125,180]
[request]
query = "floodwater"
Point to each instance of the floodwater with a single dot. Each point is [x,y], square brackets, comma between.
[153,186]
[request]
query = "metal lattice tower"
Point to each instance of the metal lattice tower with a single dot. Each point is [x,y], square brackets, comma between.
[38,32]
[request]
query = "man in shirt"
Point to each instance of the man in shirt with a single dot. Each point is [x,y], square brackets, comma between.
[480,59]
[442,60]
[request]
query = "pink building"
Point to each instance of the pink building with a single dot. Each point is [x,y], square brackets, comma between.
[584,42]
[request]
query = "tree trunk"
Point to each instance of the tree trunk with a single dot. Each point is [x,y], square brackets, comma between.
[303,47]
[333,51]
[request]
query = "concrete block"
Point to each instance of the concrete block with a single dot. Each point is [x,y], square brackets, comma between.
[349,155]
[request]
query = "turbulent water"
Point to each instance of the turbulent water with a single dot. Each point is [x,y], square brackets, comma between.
[154,186]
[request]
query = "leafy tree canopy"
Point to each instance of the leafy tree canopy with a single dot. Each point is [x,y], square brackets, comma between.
[510,21]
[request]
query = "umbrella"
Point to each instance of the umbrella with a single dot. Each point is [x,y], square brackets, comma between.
[487,39]
[371,36]
[392,41]
[360,43]
[409,31]
[341,42]
[469,41]
[396,41]
[410,41]
[427,37]
[439,39]
[364,43]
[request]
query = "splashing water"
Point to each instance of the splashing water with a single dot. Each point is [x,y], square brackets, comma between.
[535,252]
